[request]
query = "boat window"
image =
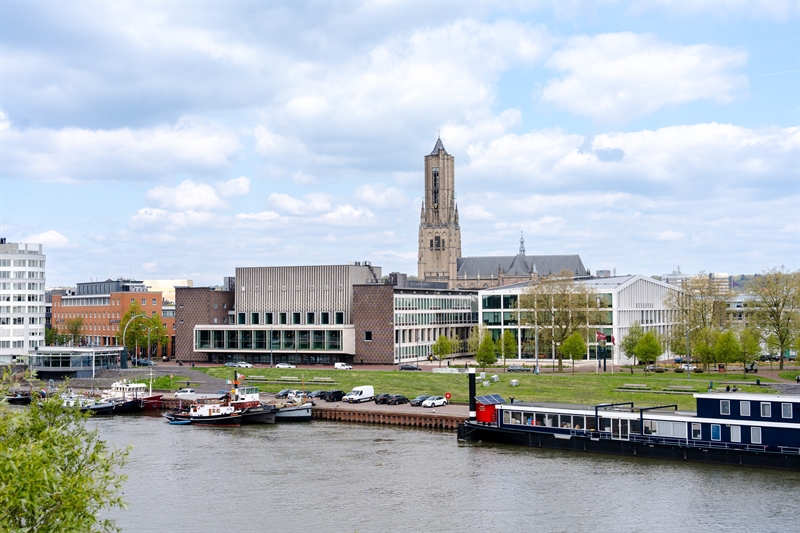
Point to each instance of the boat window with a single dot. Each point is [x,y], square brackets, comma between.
[736,433]
[551,421]
[716,433]
[696,431]
[590,423]
[615,428]
[650,427]
[755,435]
[528,419]
[506,416]
[744,408]
[540,419]
[578,423]
[635,427]
[679,430]
[566,421]
[724,407]
[516,417]
[766,409]
[786,410]
[664,429]
[605,424]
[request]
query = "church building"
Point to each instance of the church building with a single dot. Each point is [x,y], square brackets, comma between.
[440,257]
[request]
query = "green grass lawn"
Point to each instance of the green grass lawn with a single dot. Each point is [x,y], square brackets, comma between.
[581,388]
[164,382]
[789,374]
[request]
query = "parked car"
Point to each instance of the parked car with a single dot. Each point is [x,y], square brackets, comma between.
[518,368]
[317,394]
[242,364]
[435,401]
[184,393]
[363,393]
[342,366]
[283,393]
[284,365]
[298,394]
[416,402]
[334,395]
[688,367]
[407,366]
[382,398]
[231,364]
[396,399]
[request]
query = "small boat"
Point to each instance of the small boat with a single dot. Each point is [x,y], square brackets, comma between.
[293,411]
[19,398]
[180,422]
[90,405]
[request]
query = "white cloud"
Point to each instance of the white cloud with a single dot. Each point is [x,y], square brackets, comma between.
[77,154]
[476,212]
[235,187]
[50,239]
[5,123]
[187,196]
[149,216]
[150,266]
[263,216]
[301,178]
[382,197]
[313,203]
[670,235]
[615,77]
[347,215]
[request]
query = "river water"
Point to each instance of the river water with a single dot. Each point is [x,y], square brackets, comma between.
[332,477]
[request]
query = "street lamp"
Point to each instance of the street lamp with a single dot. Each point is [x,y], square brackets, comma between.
[124,361]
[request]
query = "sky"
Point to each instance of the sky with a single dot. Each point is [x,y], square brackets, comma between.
[180,140]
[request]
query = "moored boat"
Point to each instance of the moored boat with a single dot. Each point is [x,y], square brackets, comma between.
[291,411]
[246,401]
[745,429]
[19,398]
[91,405]
[207,412]
[128,391]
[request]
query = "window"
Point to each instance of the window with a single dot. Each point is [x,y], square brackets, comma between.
[224,306]
[133,301]
[309,318]
[786,410]
[144,302]
[339,317]
[736,433]
[154,301]
[697,431]
[240,318]
[295,318]
[324,318]
[755,435]
[368,336]
[724,407]
[216,305]
[766,410]
[267,318]
[254,318]
[282,318]
[744,408]
[715,432]
[215,321]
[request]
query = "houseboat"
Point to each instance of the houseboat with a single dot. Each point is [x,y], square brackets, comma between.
[735,428]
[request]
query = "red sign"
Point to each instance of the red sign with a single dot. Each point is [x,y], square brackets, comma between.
[447,395]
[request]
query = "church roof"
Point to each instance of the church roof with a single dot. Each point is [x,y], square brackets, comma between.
[519,265]
[439,146]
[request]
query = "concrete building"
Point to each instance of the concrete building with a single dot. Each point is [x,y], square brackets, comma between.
[622,300]
[301,314]
[102,304]
[166,287]
[22,301]
[439,244]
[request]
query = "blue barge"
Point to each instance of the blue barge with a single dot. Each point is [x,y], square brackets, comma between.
[760,430]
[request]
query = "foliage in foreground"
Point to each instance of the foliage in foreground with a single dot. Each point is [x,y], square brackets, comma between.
[55,474]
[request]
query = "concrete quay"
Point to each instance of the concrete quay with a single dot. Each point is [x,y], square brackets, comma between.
[447,417]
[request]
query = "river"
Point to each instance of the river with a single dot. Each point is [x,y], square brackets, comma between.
[327,477]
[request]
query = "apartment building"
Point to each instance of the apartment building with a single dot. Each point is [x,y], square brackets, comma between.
[22,300]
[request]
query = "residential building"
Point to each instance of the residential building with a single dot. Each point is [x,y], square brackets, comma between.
[622,301]
[22,301]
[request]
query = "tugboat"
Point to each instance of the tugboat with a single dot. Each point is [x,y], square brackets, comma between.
[207,412]
[247,403]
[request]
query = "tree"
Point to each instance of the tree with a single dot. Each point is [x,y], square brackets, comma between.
[56,475]
[557,306]
[648,349]
[749,345]
[507,345]
[726,348]
[442,348]
[137,333]
[574,348]
[775,307]
[52,337]
[629,342]
[485,354]
[74,326]
[476,335]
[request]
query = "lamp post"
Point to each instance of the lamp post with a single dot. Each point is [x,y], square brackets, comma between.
[124,361]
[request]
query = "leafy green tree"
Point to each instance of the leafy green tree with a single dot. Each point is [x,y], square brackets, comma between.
[507,345]
[138,326]
[727,348]
[629,342]
[750,345]
[648,349]
[775,308]
[476,335]
[574,347]
[52,337]
[442,348]
[73,327]
[703,346]
[56,475]
[485,354]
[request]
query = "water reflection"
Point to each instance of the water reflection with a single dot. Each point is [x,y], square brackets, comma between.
[331,477]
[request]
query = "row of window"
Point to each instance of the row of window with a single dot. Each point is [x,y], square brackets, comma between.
[296,287]
[422,319]
[90,302]
[20,344]
[93,314]
[402,303]
[268,340]
[21,274]
[511,301]
[283,318]
[21,286]
[35,263]
[511,318]
[22,309]
[19,320]
[744,409]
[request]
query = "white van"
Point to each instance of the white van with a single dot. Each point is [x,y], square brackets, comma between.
[342,366]
[364,393]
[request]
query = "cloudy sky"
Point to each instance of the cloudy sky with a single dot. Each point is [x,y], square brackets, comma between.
[180,139]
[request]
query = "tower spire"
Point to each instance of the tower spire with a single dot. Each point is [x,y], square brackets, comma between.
[521,244]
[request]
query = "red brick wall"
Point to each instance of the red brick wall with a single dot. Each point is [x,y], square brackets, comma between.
[373,310]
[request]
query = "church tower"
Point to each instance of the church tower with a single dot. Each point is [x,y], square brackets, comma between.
[439,231]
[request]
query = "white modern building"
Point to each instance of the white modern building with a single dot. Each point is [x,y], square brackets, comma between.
[623,300]
[22,305]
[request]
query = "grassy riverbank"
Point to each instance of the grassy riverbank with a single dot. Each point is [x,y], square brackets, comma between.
[579,388]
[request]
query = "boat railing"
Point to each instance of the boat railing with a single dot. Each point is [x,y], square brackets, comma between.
[789,449]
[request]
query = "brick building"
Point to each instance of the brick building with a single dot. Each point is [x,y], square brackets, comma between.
[196,306]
